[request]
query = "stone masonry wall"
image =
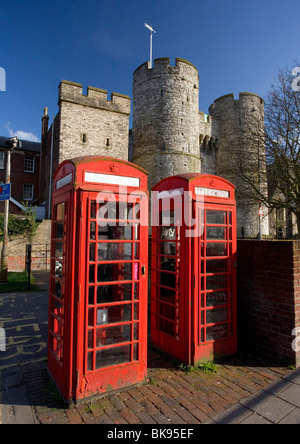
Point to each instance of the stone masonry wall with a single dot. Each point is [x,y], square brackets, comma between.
[90,124]
[165,119]
[269,298]
[17,249]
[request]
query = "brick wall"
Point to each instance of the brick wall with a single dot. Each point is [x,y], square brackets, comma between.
[269,298]
[19,178]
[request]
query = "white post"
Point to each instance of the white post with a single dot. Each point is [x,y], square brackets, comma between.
[151,34]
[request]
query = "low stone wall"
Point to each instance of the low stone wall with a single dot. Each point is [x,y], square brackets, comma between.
[269,299]
[40,241]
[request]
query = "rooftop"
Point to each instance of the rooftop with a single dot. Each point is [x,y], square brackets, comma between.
[26,145]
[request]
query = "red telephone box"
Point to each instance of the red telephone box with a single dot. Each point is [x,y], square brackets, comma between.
[98,280]
[193,294]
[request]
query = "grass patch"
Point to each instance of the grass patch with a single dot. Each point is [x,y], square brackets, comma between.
[18,281]
[206,367]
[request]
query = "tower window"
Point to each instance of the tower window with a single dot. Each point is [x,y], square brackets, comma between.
[83,137]
[107,143]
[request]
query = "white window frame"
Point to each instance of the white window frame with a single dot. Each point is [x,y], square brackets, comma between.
[27,198]
[26,169]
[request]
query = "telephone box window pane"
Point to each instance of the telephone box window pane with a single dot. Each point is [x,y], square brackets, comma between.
[135,352]
[216,233]
[114,251]
[215,217]
[116,211]
[93,209]
[113,335]
[93,231]
[91,274]
[113,315]
[59,230]
[114,272]
[136,331]
[216,315]
[113,356]
[166,327]
[167,279]
[113,293]
[168,264]
[90,359]
[57,309]
[167,295]
[57,329]
[168,233]
[91,317]
[167,311]
[216,249]
[58,269]
[216,332]
[59,250]
[58,289]
[217,298]
[110,232]
[91,295]
[216,282]
[92,251]
[136,251]
[60,211]
[216,266]
[168,248]
[91,339]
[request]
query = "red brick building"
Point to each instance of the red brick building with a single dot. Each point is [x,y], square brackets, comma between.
[25,172]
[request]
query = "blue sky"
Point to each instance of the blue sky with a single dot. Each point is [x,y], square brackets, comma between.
[237,45]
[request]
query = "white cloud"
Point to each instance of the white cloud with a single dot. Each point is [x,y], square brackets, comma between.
[23,135]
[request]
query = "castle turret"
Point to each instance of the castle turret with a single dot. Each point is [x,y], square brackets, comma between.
[241,154]
[166,119]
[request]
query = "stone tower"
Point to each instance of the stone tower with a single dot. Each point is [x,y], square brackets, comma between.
[85,124]
[165,119]
[240,153]
[171,136]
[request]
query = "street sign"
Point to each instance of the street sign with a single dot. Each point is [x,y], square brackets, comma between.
[261,211]
[5,191]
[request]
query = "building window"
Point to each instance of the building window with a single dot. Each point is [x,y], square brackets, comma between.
[83,137]
[29,165]
[107,142]
[2,160]
[27,191]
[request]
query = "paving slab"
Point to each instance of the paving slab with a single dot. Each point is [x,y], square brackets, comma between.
[268,406]
[292,395]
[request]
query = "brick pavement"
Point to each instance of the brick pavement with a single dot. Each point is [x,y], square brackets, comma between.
[169,396]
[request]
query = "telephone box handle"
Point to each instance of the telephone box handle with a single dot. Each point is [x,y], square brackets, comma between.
[143,270]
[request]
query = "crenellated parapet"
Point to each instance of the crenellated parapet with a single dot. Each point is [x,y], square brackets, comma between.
[96,98]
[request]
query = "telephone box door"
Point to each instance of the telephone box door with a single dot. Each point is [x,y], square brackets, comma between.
[114,281]
[215,286]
